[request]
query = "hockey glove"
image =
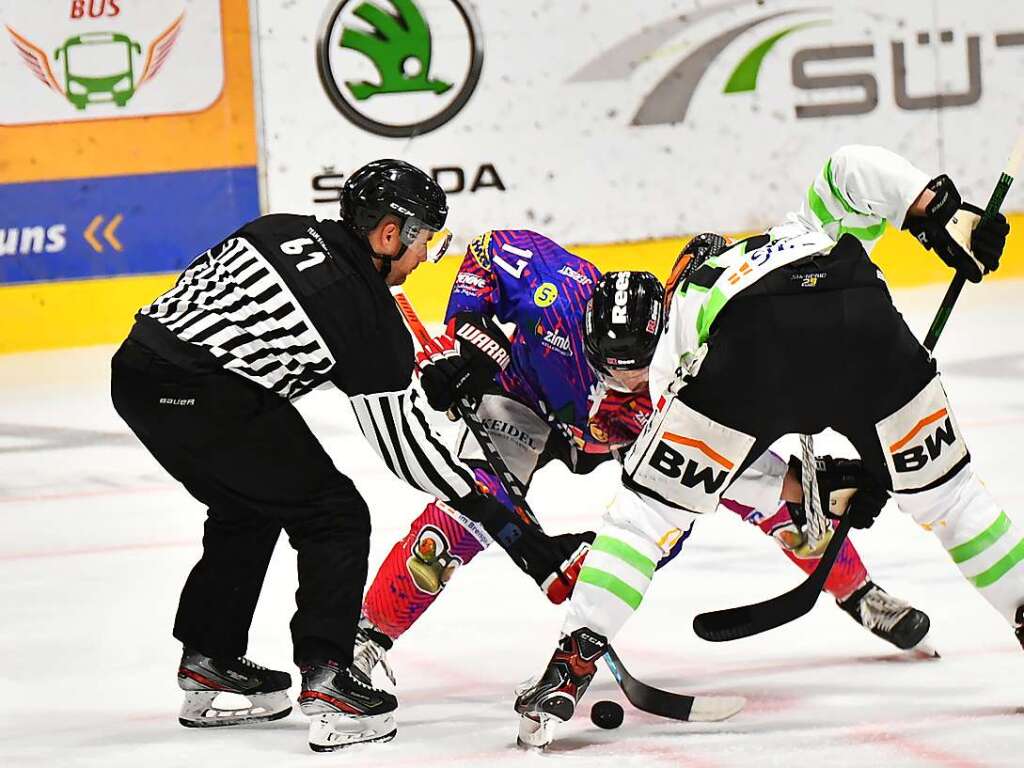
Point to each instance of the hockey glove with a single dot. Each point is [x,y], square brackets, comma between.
[697,250]
[464,361]
[845,488]
[954,230]
[553,562]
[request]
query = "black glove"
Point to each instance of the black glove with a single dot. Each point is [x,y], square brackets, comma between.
[846,488]
[697,250]
[553,562]
[954,230]
[464,361]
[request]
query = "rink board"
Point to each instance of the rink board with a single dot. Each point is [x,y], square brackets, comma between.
[48,315]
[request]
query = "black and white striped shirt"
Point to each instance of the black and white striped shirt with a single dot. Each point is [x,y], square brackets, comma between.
[232,302]
[291,304]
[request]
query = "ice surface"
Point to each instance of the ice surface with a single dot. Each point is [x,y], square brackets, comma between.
[97,541]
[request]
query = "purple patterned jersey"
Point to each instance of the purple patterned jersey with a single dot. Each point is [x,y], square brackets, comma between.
[521,277]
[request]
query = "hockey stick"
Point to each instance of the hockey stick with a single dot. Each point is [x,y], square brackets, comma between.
[676,706]
[467,413]
[957,284]
[747,620]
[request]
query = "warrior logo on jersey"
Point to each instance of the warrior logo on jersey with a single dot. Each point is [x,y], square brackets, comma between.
[431,564]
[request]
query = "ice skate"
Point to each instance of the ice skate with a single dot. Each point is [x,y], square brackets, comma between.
[344,709]
[553,698]
[204,680]
[371,649]
[890,618]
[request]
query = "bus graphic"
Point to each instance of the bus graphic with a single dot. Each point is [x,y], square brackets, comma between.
[98,67]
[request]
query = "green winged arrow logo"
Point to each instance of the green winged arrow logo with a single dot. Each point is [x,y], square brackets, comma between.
[399,48]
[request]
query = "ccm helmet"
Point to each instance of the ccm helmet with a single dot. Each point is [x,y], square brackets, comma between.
[623,321]
[398,188]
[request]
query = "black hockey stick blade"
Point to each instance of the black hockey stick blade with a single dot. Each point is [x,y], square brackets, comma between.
[675,706]
[747,620]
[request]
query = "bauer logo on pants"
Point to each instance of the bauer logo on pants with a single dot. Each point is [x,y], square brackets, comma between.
[921,441]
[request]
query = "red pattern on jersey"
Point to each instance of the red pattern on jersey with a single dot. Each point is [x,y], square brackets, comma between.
[620,417]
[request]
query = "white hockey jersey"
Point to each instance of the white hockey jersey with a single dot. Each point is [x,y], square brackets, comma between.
[859,189]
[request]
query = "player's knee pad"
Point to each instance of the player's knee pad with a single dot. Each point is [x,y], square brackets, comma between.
[519,435]
[683,460]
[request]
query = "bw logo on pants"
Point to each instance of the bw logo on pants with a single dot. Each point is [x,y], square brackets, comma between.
[921,442]
[684,459]
[691,473]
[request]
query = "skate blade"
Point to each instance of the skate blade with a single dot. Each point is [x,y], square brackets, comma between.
[711,709]
[200,711]
[536,732]
[923,651]
[332,731]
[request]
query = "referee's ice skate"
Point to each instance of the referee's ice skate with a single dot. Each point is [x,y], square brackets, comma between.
[344,709]
[204,680]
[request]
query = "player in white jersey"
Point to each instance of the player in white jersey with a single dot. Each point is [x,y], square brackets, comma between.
[804,313]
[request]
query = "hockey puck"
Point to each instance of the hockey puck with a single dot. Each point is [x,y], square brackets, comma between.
[606,714]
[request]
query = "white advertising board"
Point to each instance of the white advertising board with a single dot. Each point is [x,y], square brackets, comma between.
[605,120]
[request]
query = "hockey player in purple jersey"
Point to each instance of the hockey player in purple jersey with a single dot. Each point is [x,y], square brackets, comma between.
[550,403]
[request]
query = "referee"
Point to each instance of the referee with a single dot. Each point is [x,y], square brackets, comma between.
[205,379]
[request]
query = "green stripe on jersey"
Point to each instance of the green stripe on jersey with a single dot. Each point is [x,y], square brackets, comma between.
[982,541]
[708,312]
[990,576]
[836,193]
[863,233]
[613,584]
[622,550]
[817,206]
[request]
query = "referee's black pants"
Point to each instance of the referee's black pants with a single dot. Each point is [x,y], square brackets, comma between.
[247,454]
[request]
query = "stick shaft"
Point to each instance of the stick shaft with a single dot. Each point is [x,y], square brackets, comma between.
[956,285]
[509,481]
